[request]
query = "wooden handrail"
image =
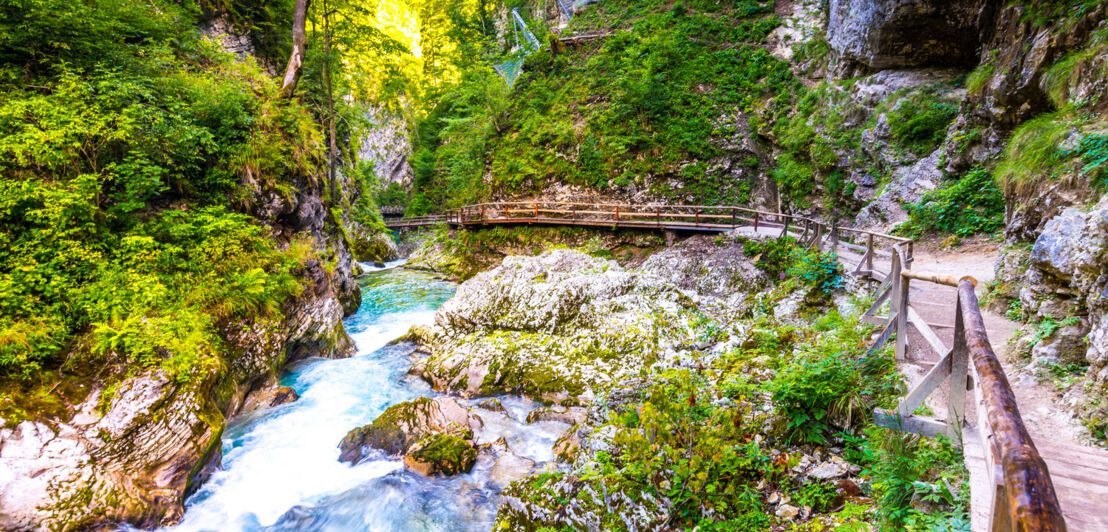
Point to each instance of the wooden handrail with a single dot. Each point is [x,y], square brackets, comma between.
[1025,499]
[1031,500]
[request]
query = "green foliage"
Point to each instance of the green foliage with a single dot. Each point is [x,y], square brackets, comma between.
[919,121]
[833,384]
[638,107]
[971,205]
[1092,152]
[124,138]
[822,270]
[676,442]
[782,258]
[906,466]
[980,76]
[1036,152]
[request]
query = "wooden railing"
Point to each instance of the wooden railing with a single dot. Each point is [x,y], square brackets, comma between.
[1021,493]
[1024,497]
[812,232]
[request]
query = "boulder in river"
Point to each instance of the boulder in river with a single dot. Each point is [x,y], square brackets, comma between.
[552,327]
[401,426]
[441,455]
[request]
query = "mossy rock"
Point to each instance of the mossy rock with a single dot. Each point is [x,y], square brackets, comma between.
[375,248]
[399,427]
[442,455]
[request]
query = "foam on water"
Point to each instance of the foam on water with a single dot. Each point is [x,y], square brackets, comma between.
[280,466]
[287,456]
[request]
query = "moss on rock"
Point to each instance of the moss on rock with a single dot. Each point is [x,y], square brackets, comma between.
[442,454]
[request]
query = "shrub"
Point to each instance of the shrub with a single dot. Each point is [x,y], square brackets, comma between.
[807,394]
[971,205]
[919,122]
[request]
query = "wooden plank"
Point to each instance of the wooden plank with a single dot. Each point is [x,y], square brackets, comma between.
[1081,456]
[926,331]
[921,425]
[875,320]
[979,481]
[932,380]
[885,335]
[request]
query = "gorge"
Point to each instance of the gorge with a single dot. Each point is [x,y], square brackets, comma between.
[210,318]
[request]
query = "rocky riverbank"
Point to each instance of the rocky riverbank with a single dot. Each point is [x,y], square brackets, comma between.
[638,364]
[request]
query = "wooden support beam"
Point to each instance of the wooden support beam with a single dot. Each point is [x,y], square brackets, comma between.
[925,330]
[930,382]
[921,425]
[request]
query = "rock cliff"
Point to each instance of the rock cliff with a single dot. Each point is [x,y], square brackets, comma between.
[133,449]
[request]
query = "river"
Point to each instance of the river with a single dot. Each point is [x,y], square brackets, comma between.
[280,468]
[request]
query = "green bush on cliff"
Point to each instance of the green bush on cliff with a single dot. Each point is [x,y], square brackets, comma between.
[638,106]
[918,122]
[970,205]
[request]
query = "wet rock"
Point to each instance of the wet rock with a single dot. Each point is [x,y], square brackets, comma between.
[268,397]
[441,455]
[563,501]
[403,425]
[510,467]
[377,248]
[708,266]
[568,446]
[551,327]
[570,416]
[493,404]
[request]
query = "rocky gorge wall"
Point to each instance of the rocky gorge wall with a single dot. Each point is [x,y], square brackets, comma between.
[138,441]
[1024,83]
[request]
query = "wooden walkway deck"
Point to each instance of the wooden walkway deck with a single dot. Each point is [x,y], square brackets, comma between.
[1018,480]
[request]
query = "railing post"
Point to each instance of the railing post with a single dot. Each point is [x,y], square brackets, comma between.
[785,230]
[755,221]
[902,317]
[819,236]
[959,369]
[658,215]
[617,215]
[536,206]
[732,217]
[835,234]
[869,253]
[698,216]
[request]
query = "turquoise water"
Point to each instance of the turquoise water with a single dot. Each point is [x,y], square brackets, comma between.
[280,468]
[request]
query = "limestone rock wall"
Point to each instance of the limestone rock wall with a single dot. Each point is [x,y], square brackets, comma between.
[871,35]
[388,147]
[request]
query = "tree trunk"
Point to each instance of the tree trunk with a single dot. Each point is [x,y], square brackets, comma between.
[299,46]
[331,154]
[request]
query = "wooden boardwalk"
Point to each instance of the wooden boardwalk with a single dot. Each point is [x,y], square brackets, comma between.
[1019,480]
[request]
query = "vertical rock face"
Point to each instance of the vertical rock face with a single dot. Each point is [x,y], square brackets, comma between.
[388,147]
[870,35]
[227,37]
[1068,284]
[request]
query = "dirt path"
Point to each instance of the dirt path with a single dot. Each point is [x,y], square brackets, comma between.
[1039,405]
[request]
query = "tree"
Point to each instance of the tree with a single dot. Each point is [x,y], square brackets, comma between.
[299,46]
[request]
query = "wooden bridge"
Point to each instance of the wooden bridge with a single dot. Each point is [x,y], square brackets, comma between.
[1013,485]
